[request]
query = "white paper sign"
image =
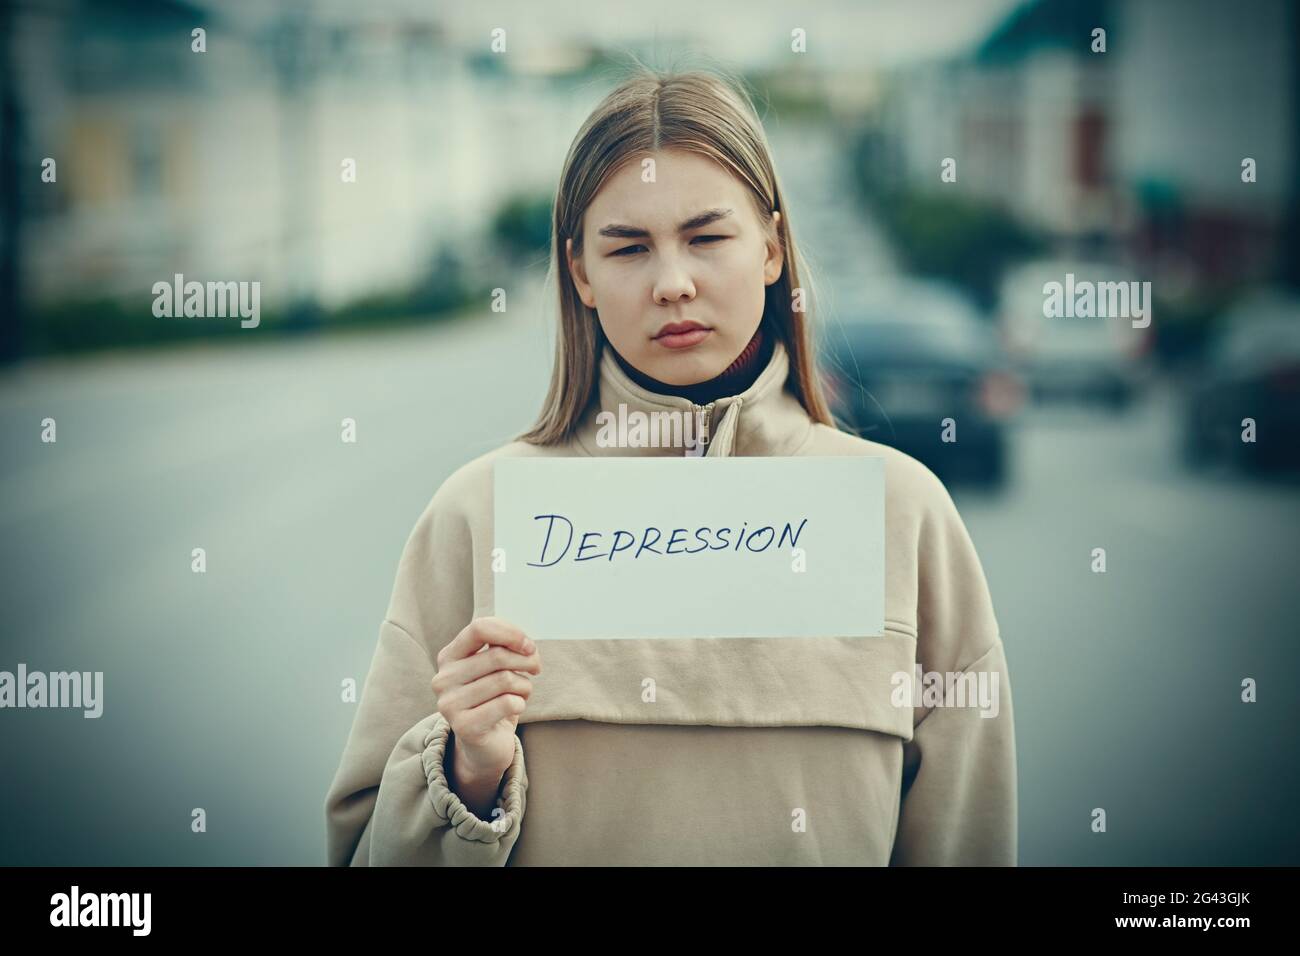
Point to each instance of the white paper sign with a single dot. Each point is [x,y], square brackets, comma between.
[625,547]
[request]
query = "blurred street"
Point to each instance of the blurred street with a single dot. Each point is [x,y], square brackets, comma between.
[947,169]
[224,688]
[1128,684]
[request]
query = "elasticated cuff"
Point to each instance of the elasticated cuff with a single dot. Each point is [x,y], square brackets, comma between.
[451,810]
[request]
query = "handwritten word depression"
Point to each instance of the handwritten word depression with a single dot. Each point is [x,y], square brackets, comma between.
[677,541]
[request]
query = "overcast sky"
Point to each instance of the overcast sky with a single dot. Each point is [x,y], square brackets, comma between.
[842,34]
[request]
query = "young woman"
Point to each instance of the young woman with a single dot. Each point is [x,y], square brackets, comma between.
[679,291]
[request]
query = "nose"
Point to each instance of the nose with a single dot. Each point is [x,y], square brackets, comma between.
[673,281]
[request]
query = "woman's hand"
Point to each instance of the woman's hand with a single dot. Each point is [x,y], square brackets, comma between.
[482,687]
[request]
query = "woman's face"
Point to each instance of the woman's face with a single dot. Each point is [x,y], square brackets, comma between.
[686,249]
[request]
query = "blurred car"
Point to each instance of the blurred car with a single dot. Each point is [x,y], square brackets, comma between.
[1252,371]
[1070,357]
[911,353]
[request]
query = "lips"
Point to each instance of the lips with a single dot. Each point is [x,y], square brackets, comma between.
[681,335]
[673,328]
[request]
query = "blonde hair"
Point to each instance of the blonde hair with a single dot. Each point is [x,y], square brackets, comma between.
[707,113]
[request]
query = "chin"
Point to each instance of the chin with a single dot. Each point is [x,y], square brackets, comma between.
[687,369]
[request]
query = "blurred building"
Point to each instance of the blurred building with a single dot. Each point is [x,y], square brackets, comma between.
[1202,86]
[229,164]
[1137,149]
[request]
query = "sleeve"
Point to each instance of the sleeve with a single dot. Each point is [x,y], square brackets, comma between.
[389,802]
[958,801]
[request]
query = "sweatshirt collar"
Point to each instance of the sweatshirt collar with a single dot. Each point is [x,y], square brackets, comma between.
[727,682]
[764,419]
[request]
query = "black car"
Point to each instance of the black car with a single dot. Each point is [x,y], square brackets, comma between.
[910,357]
[1252,372]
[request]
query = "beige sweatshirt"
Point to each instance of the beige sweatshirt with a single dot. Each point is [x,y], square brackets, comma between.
[794,751]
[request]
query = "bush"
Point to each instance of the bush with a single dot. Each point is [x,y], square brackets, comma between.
[960,240]
[522,226]
[90,325]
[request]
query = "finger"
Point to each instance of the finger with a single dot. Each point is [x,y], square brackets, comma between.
[479,720]
[493,659]
[484,631]
[468,696]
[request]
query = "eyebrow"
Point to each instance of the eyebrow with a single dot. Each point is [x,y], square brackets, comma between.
[619,231]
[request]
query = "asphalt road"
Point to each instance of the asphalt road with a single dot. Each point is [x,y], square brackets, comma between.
[1127,685]
[223,689]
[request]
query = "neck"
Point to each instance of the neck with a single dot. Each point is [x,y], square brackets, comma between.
[734,379]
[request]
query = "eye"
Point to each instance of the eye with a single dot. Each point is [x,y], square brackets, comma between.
[718,238]
[626,250]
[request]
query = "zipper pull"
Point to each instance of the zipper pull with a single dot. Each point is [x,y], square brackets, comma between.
[702,425]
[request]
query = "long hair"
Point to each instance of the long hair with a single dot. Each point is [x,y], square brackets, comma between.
[707,113]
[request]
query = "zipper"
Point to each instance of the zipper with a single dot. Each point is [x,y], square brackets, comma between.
[702,413]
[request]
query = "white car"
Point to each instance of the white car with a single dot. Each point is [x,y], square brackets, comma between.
[1076,329]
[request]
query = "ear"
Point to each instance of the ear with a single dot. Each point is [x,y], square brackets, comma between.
[775,260]
[579,275]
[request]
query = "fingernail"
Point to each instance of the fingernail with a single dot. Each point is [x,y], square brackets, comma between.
[529,646]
